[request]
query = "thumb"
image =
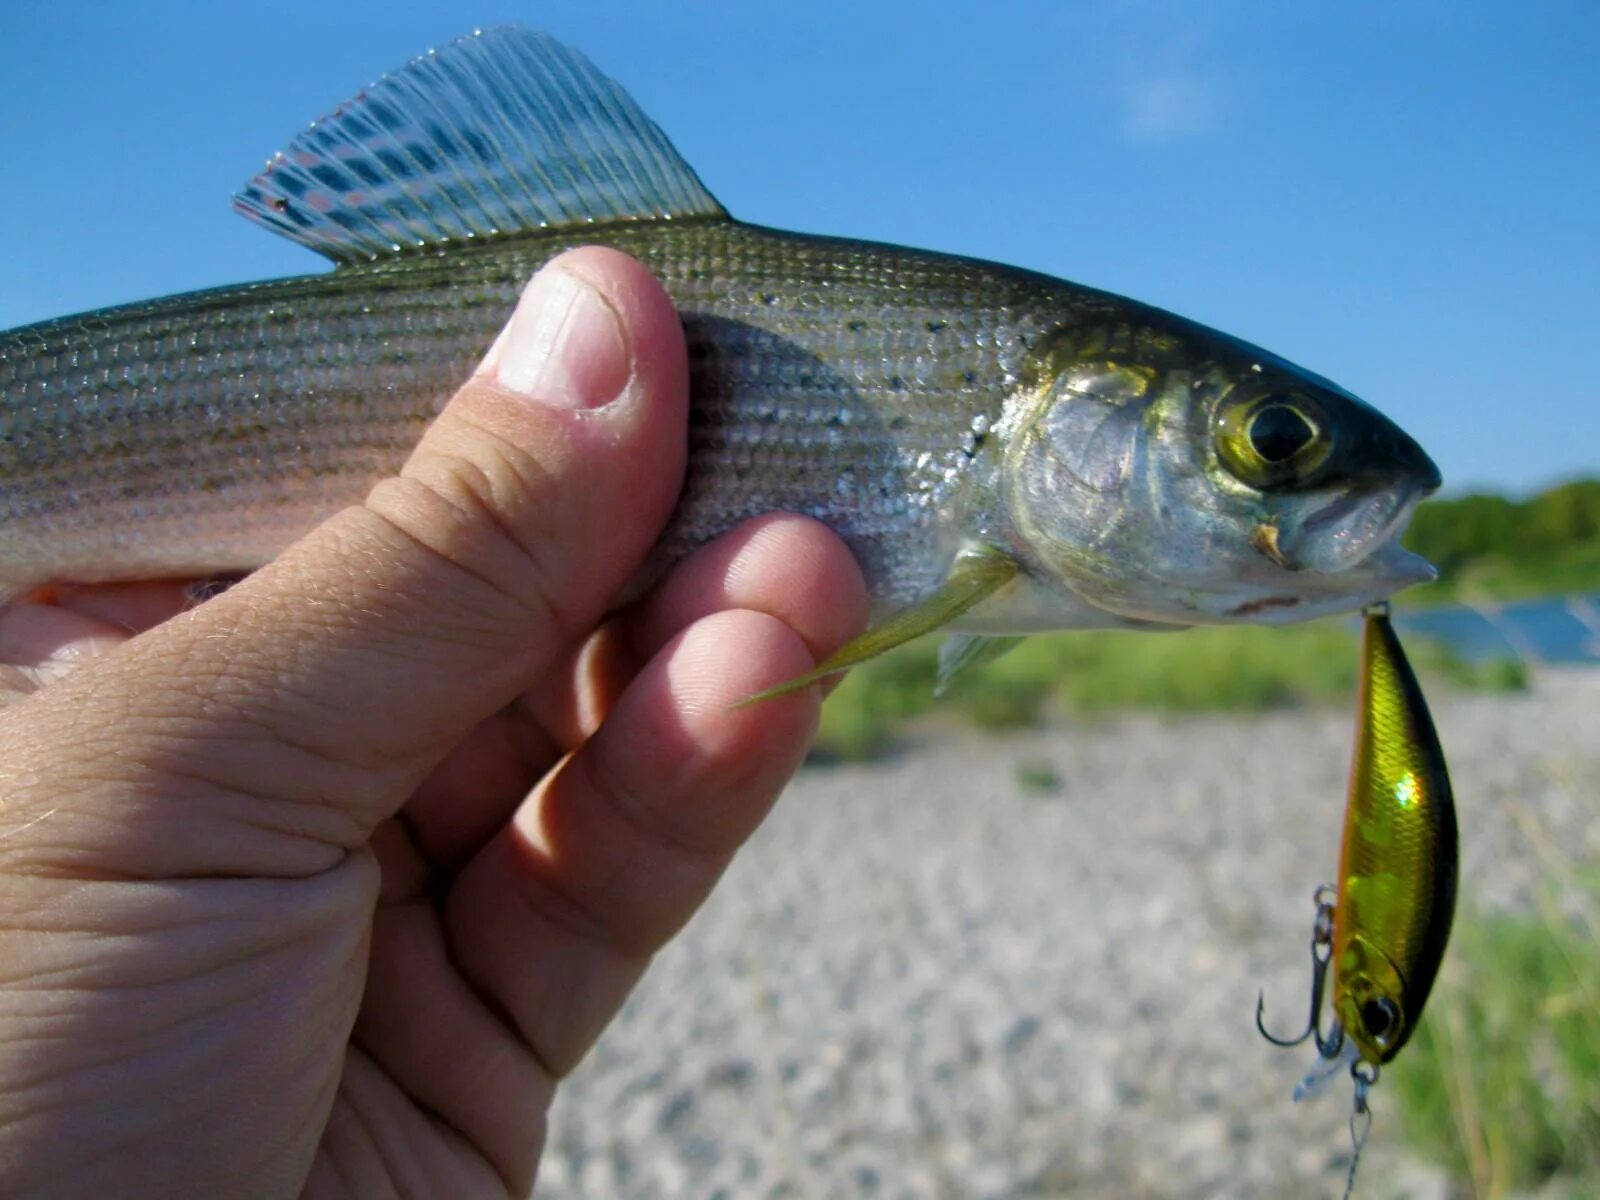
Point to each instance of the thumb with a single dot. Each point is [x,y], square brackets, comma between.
[309,700]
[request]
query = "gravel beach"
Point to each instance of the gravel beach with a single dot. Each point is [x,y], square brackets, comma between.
[927,978]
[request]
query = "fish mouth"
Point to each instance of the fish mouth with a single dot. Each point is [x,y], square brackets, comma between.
[1350,530]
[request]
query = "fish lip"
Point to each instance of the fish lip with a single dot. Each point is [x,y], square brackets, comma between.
[1389,569]
[1352,529]
[1393,564]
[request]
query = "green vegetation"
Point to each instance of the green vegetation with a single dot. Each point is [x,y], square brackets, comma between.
[1488,547]
[1239,668]
[1503,1083]
[1037,775]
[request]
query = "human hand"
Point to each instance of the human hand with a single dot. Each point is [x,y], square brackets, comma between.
[318,888]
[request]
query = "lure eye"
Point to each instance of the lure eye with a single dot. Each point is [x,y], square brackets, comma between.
[1381,1018]
[1272,440]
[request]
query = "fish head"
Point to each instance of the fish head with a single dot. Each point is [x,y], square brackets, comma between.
[1166,472]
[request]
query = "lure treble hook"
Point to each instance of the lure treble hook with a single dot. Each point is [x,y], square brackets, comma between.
[1321,954]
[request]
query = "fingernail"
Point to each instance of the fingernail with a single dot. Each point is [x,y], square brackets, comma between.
[563,346]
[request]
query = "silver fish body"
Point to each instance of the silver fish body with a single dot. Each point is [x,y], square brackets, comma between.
[922,405]
[851,382]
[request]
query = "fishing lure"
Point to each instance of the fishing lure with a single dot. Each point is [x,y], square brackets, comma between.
[1382,928]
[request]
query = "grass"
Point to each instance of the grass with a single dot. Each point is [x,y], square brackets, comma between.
[1234,669]
[1503,1083]
[1037,775]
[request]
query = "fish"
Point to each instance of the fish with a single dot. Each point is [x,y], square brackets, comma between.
[1382,929]
[1003,452]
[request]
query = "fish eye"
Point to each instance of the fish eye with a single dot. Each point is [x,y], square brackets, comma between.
[1272,440]
[1279,430]
[1381,1017]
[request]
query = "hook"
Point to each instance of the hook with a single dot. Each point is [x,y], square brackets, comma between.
[1321,954]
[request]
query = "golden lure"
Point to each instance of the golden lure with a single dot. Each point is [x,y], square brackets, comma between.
[1397,867]
[1381,929]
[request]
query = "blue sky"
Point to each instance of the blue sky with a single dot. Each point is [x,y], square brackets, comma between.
[1402,196]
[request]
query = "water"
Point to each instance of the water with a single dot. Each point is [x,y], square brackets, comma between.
[1555,630]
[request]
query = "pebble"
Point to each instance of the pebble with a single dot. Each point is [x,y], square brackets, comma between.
[921,979]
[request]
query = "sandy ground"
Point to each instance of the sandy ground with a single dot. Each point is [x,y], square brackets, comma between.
[924,979]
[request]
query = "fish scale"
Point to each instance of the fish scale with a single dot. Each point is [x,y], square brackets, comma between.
[243,416]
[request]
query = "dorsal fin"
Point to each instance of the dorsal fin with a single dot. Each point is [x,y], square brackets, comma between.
[502,131]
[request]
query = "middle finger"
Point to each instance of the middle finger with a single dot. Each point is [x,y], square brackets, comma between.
[776,564]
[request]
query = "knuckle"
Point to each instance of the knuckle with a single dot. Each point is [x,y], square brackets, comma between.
[488,514]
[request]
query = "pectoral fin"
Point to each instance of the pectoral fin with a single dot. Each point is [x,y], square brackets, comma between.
[973,576]
[963,652]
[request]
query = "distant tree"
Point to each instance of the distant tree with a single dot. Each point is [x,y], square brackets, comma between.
[1451,532]
[1550,539]
[1565,514]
